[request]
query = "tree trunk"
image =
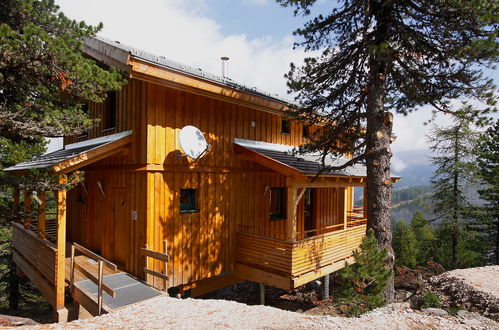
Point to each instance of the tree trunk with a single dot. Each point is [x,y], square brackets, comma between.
[13,288]
[455,196]
[379,186]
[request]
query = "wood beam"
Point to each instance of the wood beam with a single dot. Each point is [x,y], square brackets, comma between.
[345,208]
[253,274]
[42,215]
[61,247]
[291,214]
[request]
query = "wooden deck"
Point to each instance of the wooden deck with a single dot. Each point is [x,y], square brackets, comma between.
[287,265]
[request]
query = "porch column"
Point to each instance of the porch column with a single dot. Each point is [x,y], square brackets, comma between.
[61,312]
[345,208]
[41,215]
[291,214]
[27,208]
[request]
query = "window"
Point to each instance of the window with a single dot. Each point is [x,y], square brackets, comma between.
[109,116]
[306,131]
[277,203]
[285,127]
[188,200]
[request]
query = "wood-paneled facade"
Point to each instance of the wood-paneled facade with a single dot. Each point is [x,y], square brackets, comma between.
[132,198]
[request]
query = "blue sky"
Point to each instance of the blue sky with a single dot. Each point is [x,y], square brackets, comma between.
[255,34]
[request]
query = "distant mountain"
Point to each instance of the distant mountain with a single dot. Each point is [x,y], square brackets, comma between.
[413,167]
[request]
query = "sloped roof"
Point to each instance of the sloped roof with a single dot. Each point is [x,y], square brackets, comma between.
[71,152]
[97,42]
[307,164]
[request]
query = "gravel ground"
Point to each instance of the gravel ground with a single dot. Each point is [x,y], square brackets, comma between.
[169,313]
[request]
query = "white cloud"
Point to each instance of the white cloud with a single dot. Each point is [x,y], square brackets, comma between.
[178,30]
[398,165]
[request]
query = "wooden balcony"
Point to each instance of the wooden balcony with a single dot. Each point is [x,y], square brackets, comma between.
[289,264]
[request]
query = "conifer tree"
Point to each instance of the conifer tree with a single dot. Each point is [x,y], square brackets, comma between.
[364,282]
[380,57]
[405,245]
[425,238]
[44,79]
[455,168]
[488,172]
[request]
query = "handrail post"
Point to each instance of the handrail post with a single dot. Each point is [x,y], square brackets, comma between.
[99,292]
[165,246]
[146,264]
[72,275]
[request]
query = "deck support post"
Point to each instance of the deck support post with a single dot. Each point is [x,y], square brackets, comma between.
[291,214]
[261,293]
[61,313]
[325,287]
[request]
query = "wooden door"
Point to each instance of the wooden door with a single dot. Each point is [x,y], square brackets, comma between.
[308,211]
[121,225]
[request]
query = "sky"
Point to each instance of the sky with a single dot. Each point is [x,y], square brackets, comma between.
[255,34]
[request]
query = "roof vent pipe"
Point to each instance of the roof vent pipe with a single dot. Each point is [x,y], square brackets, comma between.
[225,66]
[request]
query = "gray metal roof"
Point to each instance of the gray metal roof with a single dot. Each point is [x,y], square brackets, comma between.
[162,61]
[70,151]
[307,163]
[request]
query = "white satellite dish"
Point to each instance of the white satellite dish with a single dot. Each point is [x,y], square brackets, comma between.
[192,142]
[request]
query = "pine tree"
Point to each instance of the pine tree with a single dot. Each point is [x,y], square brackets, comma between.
[488,171]
[425,238]
[405,245]
[44,79]
[364,282]
[379,57]
[454,162]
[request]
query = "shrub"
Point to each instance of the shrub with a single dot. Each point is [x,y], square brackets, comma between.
[363,283]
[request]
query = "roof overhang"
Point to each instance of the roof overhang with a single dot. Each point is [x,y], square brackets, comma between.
[301,169]
[77,155]
[144,66]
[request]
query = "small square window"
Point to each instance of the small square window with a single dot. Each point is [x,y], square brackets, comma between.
[306,131]
[277,203]
[285,127]
[188,200]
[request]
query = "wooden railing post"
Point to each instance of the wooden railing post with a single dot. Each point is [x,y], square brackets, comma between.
[72,274]
[165,251]
[99,289]
[27,209]
[345,208]
[291,214]
[42,215]
[146,263]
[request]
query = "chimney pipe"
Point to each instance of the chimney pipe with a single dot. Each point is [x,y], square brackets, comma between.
[225,66]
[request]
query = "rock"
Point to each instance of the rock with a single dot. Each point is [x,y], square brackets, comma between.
[400,306]
[465,314]
[435,311]
[14,321]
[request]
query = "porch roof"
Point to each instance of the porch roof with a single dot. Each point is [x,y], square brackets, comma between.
[77,155]
[283,158]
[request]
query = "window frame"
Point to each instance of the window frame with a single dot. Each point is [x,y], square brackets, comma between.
[306,128]
[281,214]
[191,206]
[285,126]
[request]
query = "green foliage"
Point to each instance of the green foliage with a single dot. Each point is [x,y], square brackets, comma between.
[425,238]
[404,245]
[44,79]
[364,282]
[487,217]
[428,300]
[455,169]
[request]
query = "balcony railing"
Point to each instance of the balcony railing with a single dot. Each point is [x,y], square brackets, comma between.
[303,260]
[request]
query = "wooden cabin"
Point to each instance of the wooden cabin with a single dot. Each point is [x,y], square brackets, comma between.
[249,209]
